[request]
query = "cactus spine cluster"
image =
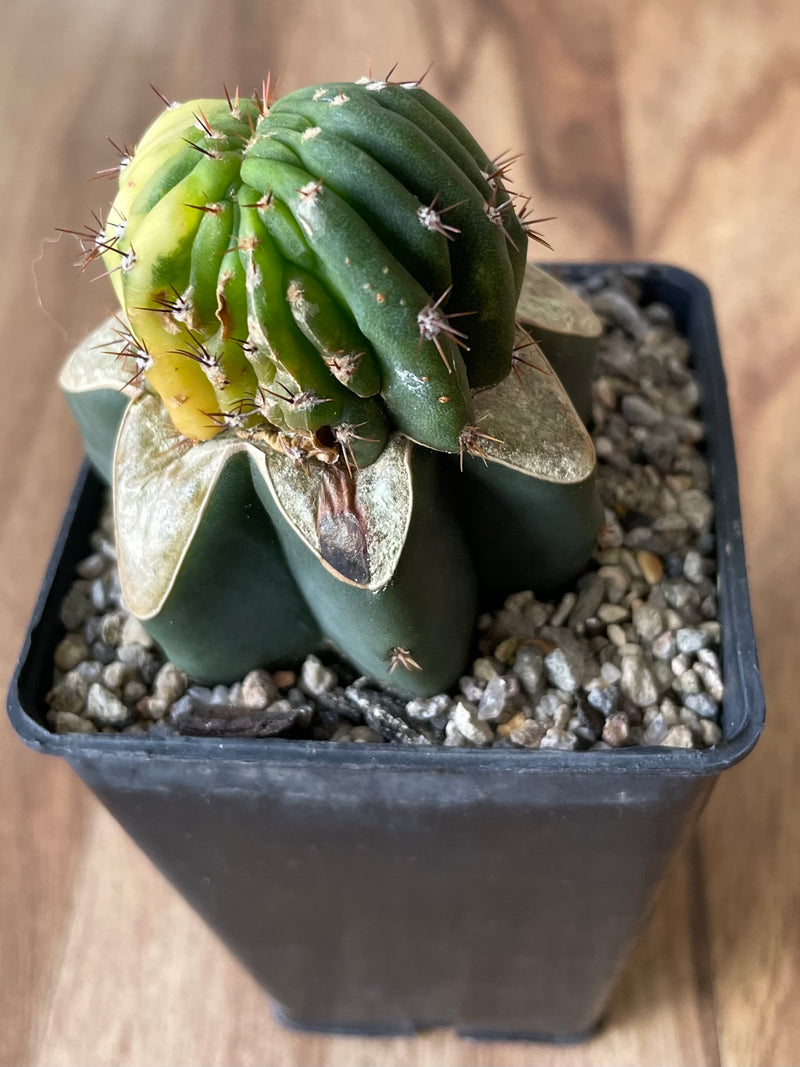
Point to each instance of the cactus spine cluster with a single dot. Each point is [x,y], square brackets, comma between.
[316,287]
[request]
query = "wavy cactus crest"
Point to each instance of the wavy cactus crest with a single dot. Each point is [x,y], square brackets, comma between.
[312,289]
[282,266]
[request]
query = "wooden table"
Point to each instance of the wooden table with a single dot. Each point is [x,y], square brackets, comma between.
[657,130]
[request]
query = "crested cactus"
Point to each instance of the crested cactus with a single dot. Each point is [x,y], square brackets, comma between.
[319,413]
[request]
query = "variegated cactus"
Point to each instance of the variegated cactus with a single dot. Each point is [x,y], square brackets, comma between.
[319,412]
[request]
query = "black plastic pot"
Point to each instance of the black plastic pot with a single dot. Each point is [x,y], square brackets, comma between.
[378,889]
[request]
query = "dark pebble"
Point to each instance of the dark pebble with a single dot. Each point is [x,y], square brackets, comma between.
[384,714]
[335,702]
[103,653]
[673,564]
[327,721]
[220,720]
[590,718]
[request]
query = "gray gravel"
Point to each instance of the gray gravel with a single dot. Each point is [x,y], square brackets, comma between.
[630,656]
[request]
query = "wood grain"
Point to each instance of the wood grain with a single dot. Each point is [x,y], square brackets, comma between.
[729,199]
[652,130]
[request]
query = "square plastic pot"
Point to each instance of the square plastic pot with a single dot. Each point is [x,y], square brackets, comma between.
[379,889]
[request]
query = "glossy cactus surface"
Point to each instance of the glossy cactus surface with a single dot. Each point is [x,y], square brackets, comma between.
[324,416]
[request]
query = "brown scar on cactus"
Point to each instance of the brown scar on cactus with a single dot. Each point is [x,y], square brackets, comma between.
[341,527]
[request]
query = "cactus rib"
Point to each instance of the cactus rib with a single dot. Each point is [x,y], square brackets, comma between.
[483,277]
[386,303]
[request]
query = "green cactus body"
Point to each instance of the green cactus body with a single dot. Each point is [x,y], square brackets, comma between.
[424,382]
[443,127]
[342,345]
[407,624]
[307,396]
[484,284]
[317,331]
[529,500]
[353,195]
[380,199]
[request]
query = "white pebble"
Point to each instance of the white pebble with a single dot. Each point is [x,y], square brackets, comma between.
[465,719]
[104,708]
[315,678]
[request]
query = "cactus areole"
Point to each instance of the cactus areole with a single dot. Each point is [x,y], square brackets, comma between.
[323,405]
